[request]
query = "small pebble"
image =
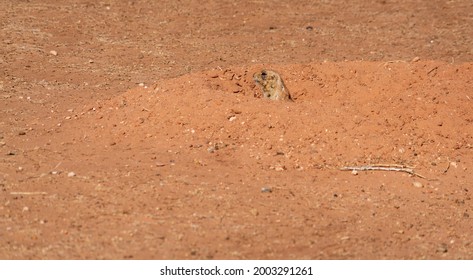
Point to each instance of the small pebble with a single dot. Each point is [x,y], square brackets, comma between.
[71,174]
[443,248]
[417,184]
[280,168]
[53,52]
[266,190]
[354,172]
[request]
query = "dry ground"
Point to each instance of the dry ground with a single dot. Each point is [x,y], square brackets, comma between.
[133,129]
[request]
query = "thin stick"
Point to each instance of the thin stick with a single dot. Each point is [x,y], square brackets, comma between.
[432,70]
[57,165]
[28,193]
[390,167]
[393,61]
[448,166]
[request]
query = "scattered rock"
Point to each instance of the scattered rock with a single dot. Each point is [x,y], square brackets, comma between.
[417,184]
[278,167]
[53,52]
[216,146]
[254,212]
[71,174]
[354,172]
[443,248]
[266,190]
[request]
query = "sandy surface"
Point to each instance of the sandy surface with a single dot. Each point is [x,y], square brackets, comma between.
[134,130]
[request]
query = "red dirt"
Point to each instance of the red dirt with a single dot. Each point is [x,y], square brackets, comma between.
[133,129]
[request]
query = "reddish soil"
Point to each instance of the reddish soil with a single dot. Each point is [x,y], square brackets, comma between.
[133,129]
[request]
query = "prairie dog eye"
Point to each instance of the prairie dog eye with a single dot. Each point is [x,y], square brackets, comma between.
[264,75]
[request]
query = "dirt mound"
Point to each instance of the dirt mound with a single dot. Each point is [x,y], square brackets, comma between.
[344,114]
[200,166]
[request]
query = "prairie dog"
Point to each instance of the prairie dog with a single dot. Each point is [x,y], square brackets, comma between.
[272,85]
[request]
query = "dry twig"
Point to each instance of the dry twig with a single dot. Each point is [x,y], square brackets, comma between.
[448,166]
[384,167]
[28,193]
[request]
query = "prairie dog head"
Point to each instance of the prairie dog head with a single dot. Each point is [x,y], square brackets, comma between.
[272,85]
